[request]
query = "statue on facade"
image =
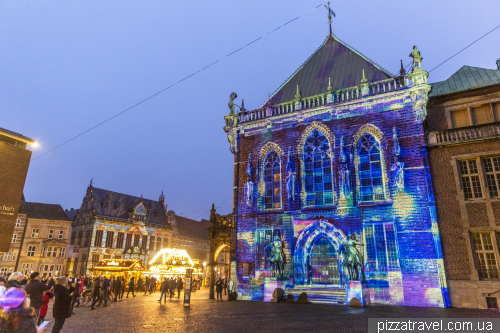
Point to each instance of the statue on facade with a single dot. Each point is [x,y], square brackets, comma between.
[417,58]
[232,97]
[398,167]
[344,172]
[290,179]
[276,257]
[350,258]
[249,192]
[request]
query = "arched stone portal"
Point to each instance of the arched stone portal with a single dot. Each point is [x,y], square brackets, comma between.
[305,242]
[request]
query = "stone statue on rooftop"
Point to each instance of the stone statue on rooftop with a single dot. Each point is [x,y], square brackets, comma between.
[417,58]
[232,97]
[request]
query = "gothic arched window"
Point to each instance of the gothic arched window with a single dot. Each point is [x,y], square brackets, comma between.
[272,181]
[318,180]
[371,179]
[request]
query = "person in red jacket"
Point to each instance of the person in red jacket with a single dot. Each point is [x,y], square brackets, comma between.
[47,296]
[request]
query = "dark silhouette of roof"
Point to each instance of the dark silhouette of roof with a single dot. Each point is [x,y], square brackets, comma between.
[192,228]
[466,78]
[43,211]
[335,60]
[119,205]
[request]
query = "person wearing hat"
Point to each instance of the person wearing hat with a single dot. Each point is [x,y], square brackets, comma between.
[62,304]
[35,289]
[16,317]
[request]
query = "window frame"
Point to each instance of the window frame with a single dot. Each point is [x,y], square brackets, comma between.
[61,234]
[31,251]
[388,260]
[274,205]
[481,258]
[35,234]
[470,176]
[51,234]
[489,161]
[469,107]
[14,238]
[383,170]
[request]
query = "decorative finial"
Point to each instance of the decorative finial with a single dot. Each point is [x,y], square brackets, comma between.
[141,197]
[330,13]
[364,80]
[329,88]
[297,95]
[162,197]
[498,63]
[402,70]
[91,182]
[242,109]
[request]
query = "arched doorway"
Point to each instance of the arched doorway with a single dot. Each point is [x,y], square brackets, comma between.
[315,235]
[323,266]
[221,260]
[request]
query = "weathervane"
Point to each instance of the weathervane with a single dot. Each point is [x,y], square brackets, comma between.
[330,13]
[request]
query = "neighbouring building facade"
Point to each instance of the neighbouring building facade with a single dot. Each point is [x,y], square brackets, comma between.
[39,240]
[111,225]
[14,162]
[338,149]
[463,126]
[190,235]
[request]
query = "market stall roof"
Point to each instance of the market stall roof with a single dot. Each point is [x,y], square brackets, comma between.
[119,265]
[172,257]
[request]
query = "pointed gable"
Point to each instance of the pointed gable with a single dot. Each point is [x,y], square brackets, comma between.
[466,78]
[336,60]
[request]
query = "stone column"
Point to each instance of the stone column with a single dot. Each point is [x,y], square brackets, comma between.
[212,281]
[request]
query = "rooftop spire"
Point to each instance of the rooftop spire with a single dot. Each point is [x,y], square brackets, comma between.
[330,13]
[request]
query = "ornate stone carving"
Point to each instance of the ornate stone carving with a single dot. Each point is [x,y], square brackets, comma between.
[249,192]
[419,101]
[398,167]
[290,179]
[344,172]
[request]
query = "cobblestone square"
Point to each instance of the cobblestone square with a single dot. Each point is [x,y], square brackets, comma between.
[146,314]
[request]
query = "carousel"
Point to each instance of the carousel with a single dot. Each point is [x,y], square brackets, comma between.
[173,263]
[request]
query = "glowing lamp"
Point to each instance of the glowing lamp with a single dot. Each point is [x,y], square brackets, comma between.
[173,262]
[183,262]
[204,264]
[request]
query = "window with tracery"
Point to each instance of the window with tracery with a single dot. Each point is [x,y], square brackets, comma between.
[272,181]
[370,169]
[318,170]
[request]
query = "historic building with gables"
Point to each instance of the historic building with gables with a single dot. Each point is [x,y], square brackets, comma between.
[337,151]
[111,225]
[463,132]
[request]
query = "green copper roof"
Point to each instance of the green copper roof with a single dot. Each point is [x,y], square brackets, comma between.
[333,59]
[466,78]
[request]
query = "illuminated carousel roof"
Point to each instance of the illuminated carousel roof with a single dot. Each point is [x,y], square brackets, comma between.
[172,257]
[119,265]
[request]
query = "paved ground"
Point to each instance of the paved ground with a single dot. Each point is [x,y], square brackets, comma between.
[145,314]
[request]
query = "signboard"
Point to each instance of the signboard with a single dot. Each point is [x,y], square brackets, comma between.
[187,289]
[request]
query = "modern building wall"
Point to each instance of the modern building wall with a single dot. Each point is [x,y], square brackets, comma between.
[14,162]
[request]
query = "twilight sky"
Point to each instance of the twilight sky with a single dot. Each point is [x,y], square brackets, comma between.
[65,66]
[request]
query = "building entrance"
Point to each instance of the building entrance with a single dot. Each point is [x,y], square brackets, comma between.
[323,268]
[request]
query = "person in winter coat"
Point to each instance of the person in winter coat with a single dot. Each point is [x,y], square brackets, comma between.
[131,286]
[139,284]
[51,280]
[96,292]
[62,303]
[104,291]
[16,317]
[218,288]
[152,285]
[163,290]
[123,287]
[171,287]
[47,296]
[179,287]
[14,280]
[116,286]
[35,289]
[75,297]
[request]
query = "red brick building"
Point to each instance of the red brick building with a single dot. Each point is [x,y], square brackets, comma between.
[463,132]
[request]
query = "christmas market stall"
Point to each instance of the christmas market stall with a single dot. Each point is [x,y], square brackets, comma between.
[173,263]
[126,268]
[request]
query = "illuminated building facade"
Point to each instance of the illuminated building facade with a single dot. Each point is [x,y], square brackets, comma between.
[339,148]
[111,225]
[463,127]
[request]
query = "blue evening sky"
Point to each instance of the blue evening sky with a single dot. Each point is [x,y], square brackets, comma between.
[67,65]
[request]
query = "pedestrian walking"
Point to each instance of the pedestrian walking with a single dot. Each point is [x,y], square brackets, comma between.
[104,291]
[96,291]
[163,290]
[224,286]
[179,287]
[152,285]
[117,285]
[62,303]
[139,284]
[123,287]
[131,287]
[76,295]
[16,317]
[35,289]
[218,289]
[171,287]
